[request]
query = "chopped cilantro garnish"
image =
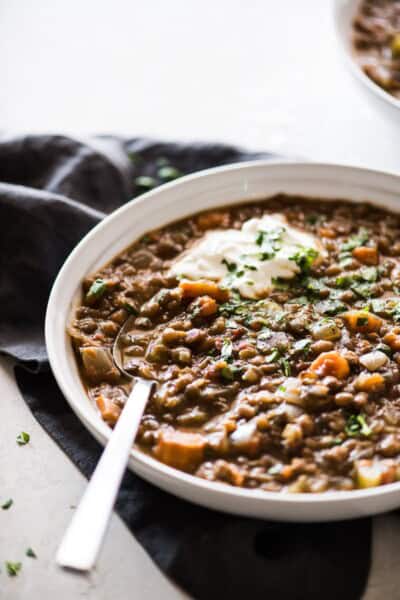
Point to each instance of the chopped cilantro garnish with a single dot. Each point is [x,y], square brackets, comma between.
[313,286]
[302,346]
[336,442]
[231,266]
[386,307]
[369,274]
[330,307]
[356,425]
[29,552]
[359,281]
[281,388]
[145,182]
[226,350]
[363,290]
[23,438]
[168,173]
[13,568]
[270,242]
[274,356]
[285,366]
[131,309]
[280,284]
[229,372]
[304,258]
[360,239]
[96,291]
[361,321]
[7,504]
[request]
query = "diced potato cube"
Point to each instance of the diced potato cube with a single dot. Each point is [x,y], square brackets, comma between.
[98,364]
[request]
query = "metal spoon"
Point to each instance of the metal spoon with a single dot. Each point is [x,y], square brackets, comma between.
[83,538]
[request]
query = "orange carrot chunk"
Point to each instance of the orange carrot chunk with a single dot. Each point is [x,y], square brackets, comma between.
[373,382]
[205,306]
[392,339]
[180,449]
[361,321]
[109,411]
[330,363]
[202,287]
[366,255]
[327,232]
[213,220]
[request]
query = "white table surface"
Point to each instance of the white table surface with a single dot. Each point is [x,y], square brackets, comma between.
[262,74]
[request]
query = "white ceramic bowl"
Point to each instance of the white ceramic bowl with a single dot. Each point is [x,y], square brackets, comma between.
[208,189]
[343,12]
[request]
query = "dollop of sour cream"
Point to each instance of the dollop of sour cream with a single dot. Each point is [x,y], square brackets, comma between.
[249,259]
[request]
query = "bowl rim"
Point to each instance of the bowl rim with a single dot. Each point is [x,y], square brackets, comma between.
[139,460]
[346,52]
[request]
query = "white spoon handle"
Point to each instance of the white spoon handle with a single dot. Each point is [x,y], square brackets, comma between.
[82,540]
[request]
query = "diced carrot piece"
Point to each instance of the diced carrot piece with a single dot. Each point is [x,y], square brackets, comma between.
[330,363]
[206,306]
[366,255]
[389,473]
[362,321]
[110,411]
[392,339]
[287,472]
[327,232]
[373,382]
[202,287]
[180,449]
[213,220]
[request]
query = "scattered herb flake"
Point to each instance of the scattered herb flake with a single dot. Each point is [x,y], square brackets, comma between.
[96,290]
[304,258]
[361,321]
[168,173]
[7,504]
[330,307]
[360,239]
[274,356]
[13,568]
[302,346]
[145,182]
[29,552]
[23,438]
[227,350]
[231,266]
[285,366]
[356,425]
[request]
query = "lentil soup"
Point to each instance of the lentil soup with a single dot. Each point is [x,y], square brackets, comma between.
[376,40]
[272,330]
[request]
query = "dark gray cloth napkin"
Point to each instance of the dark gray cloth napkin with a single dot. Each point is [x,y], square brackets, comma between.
[53,190]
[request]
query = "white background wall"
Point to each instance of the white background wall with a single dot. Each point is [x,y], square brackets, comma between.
[260,73]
